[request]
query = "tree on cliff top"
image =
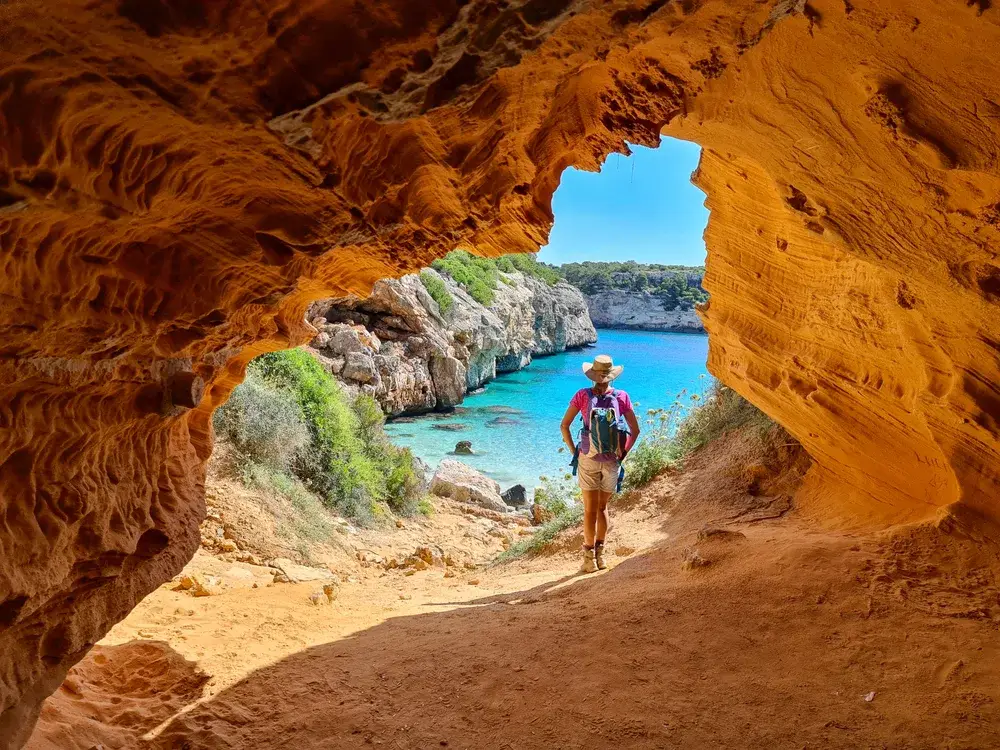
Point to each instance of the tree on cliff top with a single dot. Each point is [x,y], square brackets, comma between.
[676,286]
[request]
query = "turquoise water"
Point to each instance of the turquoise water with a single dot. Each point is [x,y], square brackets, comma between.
[514,423]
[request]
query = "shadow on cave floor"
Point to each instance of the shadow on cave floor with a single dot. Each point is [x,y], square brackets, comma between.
[116,694]
[526,596]
[784,637]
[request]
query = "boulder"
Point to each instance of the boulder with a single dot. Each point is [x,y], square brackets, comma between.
[198,585]
[516,496]
[359,367]
[459,482]
[464,448]
[448,375]
[289,572]
[345,339]
[451,427]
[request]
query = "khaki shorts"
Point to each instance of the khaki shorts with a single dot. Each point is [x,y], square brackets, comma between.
[597,475]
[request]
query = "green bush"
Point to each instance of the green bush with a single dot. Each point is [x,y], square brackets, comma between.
[264,425]
[649,459]
[438,291]
[557,495]
[346,459]
[478,276]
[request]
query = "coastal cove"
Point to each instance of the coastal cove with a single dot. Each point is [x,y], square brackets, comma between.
[513,422]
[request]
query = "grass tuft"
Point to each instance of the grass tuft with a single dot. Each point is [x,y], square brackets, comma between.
[546,533]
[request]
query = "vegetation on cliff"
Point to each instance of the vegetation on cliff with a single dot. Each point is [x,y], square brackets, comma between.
[676,286]
[290,425]
[480,276]
[438,291]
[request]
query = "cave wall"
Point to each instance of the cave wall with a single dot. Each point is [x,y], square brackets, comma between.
[180,178]
[852,173]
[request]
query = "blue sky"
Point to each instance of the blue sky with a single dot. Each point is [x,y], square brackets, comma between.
[641,207]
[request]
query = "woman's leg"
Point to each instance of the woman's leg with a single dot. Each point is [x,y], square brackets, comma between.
[601,516]
[591,516]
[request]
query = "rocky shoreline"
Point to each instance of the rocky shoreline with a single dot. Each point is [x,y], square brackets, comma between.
[640,311]
[400,347]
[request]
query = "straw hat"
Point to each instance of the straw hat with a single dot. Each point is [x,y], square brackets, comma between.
[602,369]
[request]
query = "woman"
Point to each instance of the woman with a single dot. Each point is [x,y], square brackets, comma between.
[597,473]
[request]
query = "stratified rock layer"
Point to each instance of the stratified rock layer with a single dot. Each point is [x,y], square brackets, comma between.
[181,178]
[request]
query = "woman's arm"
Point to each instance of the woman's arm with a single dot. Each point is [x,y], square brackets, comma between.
[633,426]
[567,420]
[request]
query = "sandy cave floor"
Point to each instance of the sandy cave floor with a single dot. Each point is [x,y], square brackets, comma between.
[787,637]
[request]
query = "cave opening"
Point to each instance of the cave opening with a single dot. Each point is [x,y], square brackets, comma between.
[473,359]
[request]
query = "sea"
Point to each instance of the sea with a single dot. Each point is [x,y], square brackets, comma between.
[513,422]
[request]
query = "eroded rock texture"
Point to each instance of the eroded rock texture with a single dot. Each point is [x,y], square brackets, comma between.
[181,177]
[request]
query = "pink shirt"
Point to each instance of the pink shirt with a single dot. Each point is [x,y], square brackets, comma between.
[581,400]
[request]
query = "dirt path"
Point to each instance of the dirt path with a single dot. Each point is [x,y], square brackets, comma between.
[176,652]
[765,634]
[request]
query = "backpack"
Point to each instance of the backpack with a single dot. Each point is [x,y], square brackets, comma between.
[608,428]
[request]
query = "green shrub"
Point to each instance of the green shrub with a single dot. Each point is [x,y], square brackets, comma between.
[478,276]
[336,464]
[346,459]
[438,291]
[649,459]
[557,495]
[425,507]
[263,424]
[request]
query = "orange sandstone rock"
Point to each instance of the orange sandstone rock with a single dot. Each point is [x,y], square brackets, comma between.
[179,179]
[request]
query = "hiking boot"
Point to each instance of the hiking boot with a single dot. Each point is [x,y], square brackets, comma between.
[589,566]
[599,557]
